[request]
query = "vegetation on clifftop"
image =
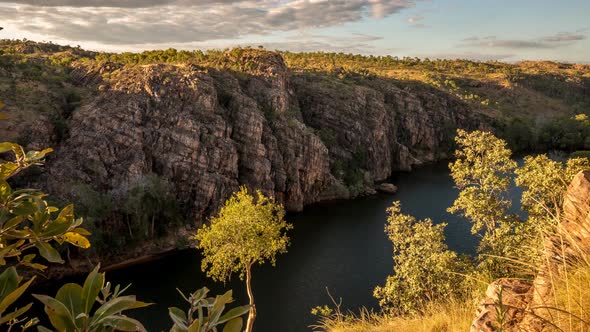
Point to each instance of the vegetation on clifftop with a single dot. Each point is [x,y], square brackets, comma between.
[535,103]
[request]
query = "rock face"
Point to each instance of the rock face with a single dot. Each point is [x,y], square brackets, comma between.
[295,136]
[570,243]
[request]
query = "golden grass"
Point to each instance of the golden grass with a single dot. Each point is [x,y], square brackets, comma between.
[570,310]
[453,316]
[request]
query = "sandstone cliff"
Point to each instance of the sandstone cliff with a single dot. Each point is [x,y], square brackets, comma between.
[300,137]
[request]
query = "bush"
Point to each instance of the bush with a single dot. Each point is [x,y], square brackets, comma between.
[424,270]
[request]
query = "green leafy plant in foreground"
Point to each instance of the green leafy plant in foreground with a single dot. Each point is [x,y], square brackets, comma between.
[71,309]
[11,290]
[205,314]
[28,222]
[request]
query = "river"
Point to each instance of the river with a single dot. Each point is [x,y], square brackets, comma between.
[339,245]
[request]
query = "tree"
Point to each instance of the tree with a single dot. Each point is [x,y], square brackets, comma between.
[543,181]
[247,230]
[424,269]
[482,172]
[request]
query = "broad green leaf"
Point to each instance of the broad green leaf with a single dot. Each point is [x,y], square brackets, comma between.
[71,296]
[112,307]
[76,239]
[55,228]
[234,325]
[178,317]
[24,209]
[233,313]
[43,329]
[15,314]
[14,295]
[94,282]
[49,253]
[8,282]
[219,306]
[13,222]
[67,212]
[58,313]
[124,323]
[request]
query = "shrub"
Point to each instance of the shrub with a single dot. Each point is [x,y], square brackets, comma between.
[424,270]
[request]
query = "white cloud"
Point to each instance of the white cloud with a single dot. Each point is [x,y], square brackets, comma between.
[557,40]
[137,22]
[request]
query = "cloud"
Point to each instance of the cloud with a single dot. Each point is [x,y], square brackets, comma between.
[470,56]
[546,42]
[114,3]
[135,22]
[564,37]
[356,43]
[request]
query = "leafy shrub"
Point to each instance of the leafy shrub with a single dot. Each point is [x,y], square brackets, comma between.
[423,268]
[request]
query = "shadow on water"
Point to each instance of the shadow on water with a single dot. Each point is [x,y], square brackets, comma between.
[339,245]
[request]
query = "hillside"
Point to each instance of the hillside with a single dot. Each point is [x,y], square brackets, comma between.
[302,127]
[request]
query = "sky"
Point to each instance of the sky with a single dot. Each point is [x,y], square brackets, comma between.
[501,30]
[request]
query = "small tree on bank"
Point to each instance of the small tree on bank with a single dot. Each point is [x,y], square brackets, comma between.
[247,230]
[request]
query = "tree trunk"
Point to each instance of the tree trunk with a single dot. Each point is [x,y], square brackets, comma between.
[252,313]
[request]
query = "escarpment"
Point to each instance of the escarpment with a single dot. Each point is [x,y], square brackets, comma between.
[300,137]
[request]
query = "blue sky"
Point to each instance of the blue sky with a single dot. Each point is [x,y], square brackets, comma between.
[476,29]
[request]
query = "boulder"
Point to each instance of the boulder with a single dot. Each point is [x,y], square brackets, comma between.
[388,188]
[515,295]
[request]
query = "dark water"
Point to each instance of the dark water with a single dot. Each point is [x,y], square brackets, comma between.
[338,245]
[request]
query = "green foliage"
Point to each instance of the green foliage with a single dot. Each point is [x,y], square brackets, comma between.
[27,221]
[482,173]
[247,230]
[519,135]
[71,309]
[543,181]
[148,202]
[11,289]
[206,314]
[424,269]
[566,133]
[581,154]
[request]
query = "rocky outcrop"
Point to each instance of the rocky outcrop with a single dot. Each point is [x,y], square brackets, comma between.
[388,188]
[301,137]
[569,245]
[504,305]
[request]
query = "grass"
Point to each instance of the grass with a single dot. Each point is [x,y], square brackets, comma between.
[569,307]
[452,316]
